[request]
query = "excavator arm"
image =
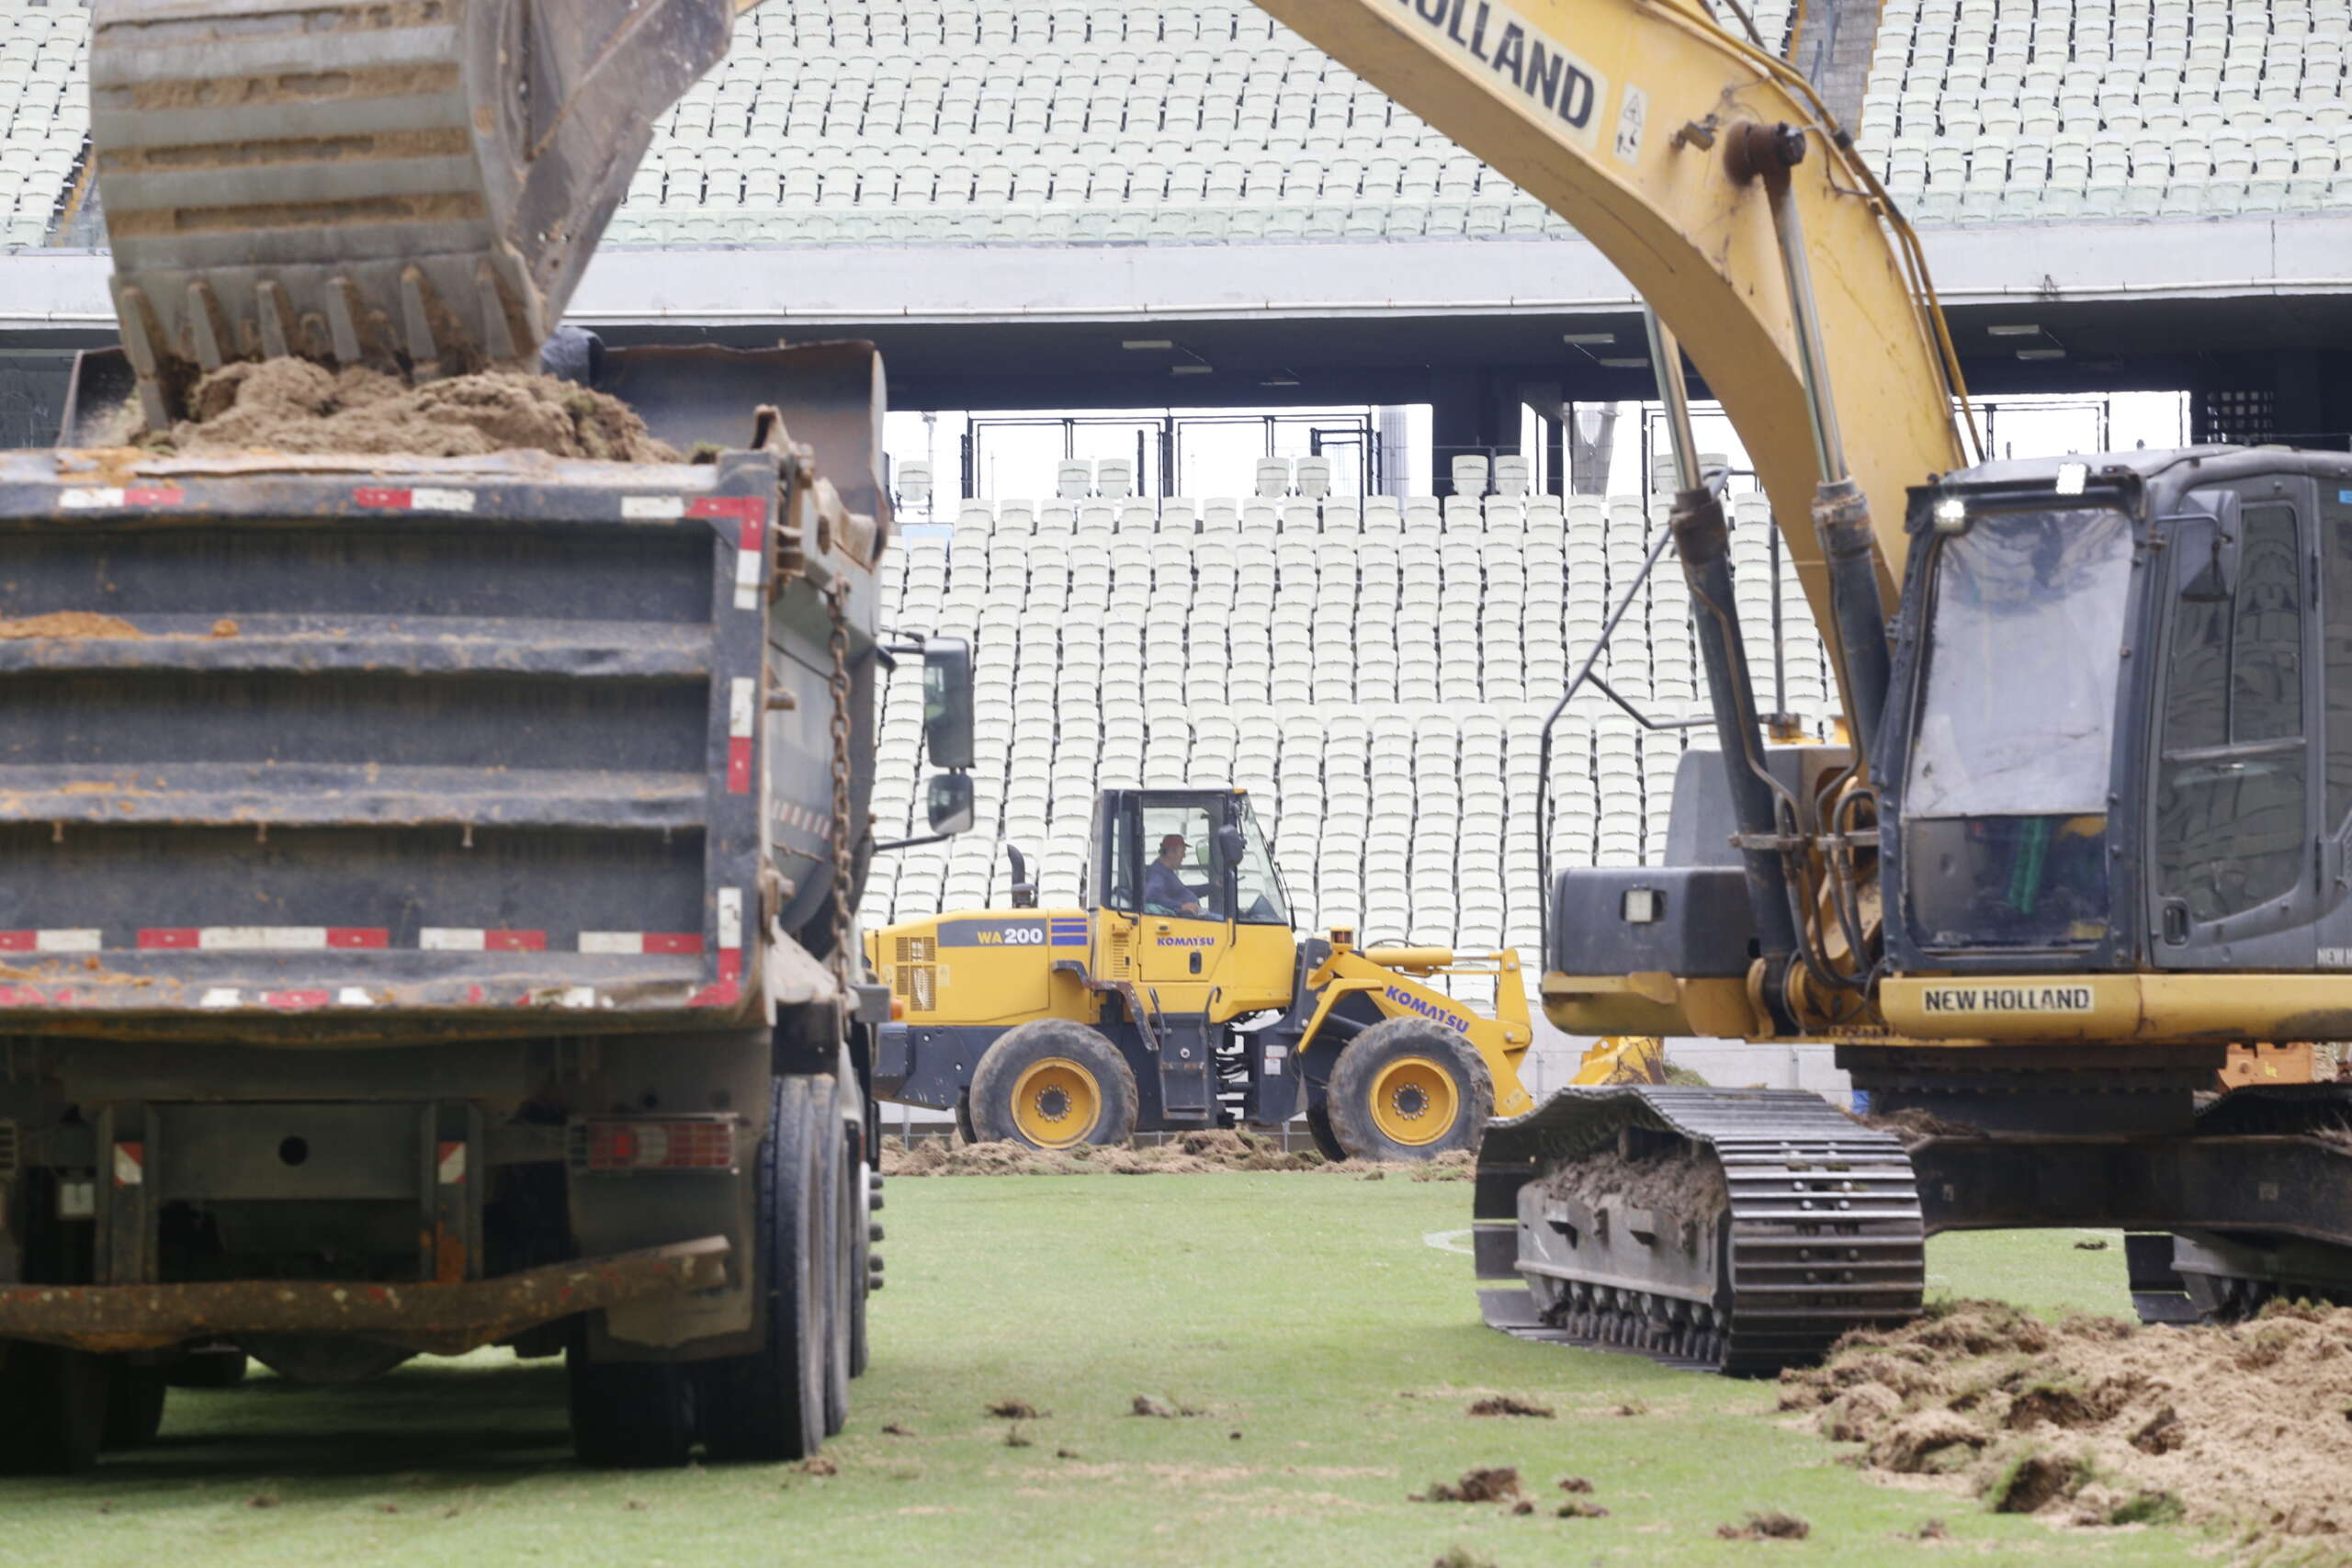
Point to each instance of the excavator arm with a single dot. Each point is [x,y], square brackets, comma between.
[421,181]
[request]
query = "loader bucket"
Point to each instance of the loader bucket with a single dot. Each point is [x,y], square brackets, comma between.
[414,186]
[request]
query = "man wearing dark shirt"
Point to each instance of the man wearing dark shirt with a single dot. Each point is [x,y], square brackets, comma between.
[1164,889]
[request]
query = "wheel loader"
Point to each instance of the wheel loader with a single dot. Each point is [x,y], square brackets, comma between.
[1177,995]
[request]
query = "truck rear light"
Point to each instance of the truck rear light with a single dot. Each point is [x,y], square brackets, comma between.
[654,1142]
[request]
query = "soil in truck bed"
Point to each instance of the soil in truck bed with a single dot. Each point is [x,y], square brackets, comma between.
[295,407]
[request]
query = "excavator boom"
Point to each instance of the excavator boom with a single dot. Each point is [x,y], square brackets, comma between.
[411,183]
[1623,116]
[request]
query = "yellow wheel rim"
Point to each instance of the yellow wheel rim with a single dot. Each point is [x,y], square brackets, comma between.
[1414,1102]
[1055,1103]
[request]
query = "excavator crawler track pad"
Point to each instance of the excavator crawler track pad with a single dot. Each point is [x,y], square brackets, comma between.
[1739,1231]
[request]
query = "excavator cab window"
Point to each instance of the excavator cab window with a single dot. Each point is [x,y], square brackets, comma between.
[2005,803]
[2229,829]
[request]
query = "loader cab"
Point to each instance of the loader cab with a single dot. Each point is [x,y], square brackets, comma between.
[2121,727]
[1187,903]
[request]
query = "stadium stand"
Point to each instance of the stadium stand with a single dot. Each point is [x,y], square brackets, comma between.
[45,111]
[953,121]
[1376,673]
[2096,108]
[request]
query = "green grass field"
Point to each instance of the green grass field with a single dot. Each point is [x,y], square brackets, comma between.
[1331,1348]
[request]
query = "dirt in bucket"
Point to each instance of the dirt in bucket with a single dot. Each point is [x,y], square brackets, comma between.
[294,407]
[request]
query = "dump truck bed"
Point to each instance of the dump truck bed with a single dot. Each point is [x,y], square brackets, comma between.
[380,747]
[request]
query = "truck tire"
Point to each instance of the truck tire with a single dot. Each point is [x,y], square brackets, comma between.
[1053,1084]
[838,1253]
[134,1404]
[627,1414]
[1407,1090]
[770,1404]
[869,1196]
[56,1405]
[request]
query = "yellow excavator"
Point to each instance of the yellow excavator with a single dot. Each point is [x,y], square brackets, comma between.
[2090,829]
[2091,825]
[1177,996]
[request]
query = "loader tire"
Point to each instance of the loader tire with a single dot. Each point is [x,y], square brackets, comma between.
[770,1404]
[1052,1084]
[1318,1127]
[1408,1089]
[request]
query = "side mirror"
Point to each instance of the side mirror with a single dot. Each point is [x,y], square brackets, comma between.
[949,803]
[1229,845]
[947,706]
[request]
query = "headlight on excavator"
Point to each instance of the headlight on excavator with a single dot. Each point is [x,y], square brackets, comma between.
[1952,515]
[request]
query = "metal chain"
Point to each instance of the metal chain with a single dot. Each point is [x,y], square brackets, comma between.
[837,601]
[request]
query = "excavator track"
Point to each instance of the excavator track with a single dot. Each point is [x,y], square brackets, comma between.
[414,185]
[1792,1224]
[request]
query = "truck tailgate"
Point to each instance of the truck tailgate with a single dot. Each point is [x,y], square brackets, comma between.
[367,740]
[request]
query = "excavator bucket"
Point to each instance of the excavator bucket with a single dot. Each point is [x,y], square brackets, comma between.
[416,185]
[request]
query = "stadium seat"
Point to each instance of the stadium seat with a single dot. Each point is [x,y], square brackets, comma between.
[1379,686]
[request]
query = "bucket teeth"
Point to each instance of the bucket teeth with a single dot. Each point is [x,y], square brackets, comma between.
[416,185]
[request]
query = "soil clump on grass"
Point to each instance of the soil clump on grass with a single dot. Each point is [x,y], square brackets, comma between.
[1196,1153]
[1498,1484]
[294,407]
[2102,1422]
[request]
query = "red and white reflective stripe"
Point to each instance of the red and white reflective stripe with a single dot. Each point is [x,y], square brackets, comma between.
[751,514]
[52,940]
[638,943]
[264,938]
[796,815]
[742,712]
[476,938]
[730,934]
[452,1166]
[747,563]
[287,1002]
[130,1165]
[416,499]
[107,498]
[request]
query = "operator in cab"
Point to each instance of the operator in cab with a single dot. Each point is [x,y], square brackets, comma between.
[1165,891]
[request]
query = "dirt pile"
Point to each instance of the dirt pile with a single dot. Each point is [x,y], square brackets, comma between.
[2102,1422]
[295,407]
[1188,1153]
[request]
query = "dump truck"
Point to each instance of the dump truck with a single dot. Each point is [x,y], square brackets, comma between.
[427,885]
[427,911]
[1178,996]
